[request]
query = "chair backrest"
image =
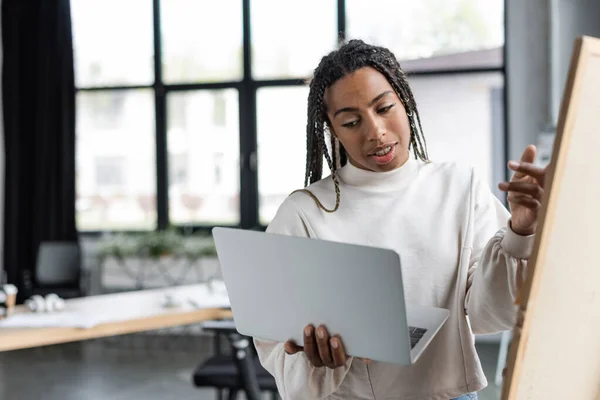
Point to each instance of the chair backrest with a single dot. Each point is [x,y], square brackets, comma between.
[58,263]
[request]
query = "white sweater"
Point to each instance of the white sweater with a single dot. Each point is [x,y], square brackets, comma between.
[458,252]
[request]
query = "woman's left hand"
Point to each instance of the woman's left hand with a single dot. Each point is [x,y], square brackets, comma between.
[525,192]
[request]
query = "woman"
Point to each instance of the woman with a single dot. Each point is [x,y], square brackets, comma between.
[461,249]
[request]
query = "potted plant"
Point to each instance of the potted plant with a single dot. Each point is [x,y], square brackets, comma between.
[156,259]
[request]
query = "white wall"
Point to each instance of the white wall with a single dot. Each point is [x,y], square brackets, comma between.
[443,100]
[575,18]
[535,86]
[527,71]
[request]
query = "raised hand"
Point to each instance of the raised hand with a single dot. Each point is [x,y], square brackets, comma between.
[525,192]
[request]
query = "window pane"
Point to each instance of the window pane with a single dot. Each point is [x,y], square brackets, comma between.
[281,122]
[462,117]
[202,40]
[113,42]
[116,160]
[432,29]
[203,141]
[290,41]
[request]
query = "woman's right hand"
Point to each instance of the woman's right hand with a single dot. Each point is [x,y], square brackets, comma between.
[321,349]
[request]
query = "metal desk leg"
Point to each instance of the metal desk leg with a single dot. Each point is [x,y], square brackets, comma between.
[502,354]
[243,358]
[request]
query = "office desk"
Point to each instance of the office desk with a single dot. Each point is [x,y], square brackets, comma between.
[131,312]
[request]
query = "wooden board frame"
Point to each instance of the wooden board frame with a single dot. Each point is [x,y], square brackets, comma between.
[517,384]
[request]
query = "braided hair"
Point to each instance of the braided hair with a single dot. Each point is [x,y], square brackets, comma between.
[350,57]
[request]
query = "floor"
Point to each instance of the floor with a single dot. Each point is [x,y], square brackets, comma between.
[148,367]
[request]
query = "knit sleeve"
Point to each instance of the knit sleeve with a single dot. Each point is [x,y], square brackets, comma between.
[295,376]
[496,266]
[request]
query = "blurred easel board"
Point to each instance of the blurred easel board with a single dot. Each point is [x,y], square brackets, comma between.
[555,352]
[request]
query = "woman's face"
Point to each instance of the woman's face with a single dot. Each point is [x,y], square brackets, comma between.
[369,119]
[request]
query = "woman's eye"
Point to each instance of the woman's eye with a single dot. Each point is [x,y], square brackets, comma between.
[385,109]
[350,124]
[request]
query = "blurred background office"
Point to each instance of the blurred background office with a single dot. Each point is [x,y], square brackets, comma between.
[133,116]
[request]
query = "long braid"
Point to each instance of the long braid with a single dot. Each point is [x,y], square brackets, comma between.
[316,130]
[348,58]
[309,157]
[334,153]
[314,149]
[415,115]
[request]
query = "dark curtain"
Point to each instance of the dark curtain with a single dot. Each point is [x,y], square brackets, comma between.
[39,122]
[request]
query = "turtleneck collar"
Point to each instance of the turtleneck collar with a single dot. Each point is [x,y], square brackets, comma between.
[379,181]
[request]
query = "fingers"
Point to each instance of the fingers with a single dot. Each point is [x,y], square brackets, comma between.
[528,155]
[337,351]
[525,165]
[291,348]
[323,350]
[310,347]
[526,201]
[324,347]
[523,193]
[524,168]
[532,189]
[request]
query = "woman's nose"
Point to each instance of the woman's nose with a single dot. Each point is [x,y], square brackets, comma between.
[376,130]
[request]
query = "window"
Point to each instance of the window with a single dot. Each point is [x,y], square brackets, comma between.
[109,109]
[109,172]
[203,144]
[288,42]
[281,146]
[193,113]
[115,159]
[201,40]
[112,42]
[178,169]
[430,29]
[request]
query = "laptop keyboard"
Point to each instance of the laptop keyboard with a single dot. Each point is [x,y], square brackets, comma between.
[415,335]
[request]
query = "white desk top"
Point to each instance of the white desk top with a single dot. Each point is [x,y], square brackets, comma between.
[114,314]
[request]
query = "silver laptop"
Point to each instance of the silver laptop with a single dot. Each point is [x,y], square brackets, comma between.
[279,284]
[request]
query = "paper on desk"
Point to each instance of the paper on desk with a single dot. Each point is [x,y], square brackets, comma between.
[213,296]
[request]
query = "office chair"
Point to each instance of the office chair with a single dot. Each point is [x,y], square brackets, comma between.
[58,270]
[236,372]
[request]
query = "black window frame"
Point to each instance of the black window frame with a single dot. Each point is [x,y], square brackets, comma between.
[247,90]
